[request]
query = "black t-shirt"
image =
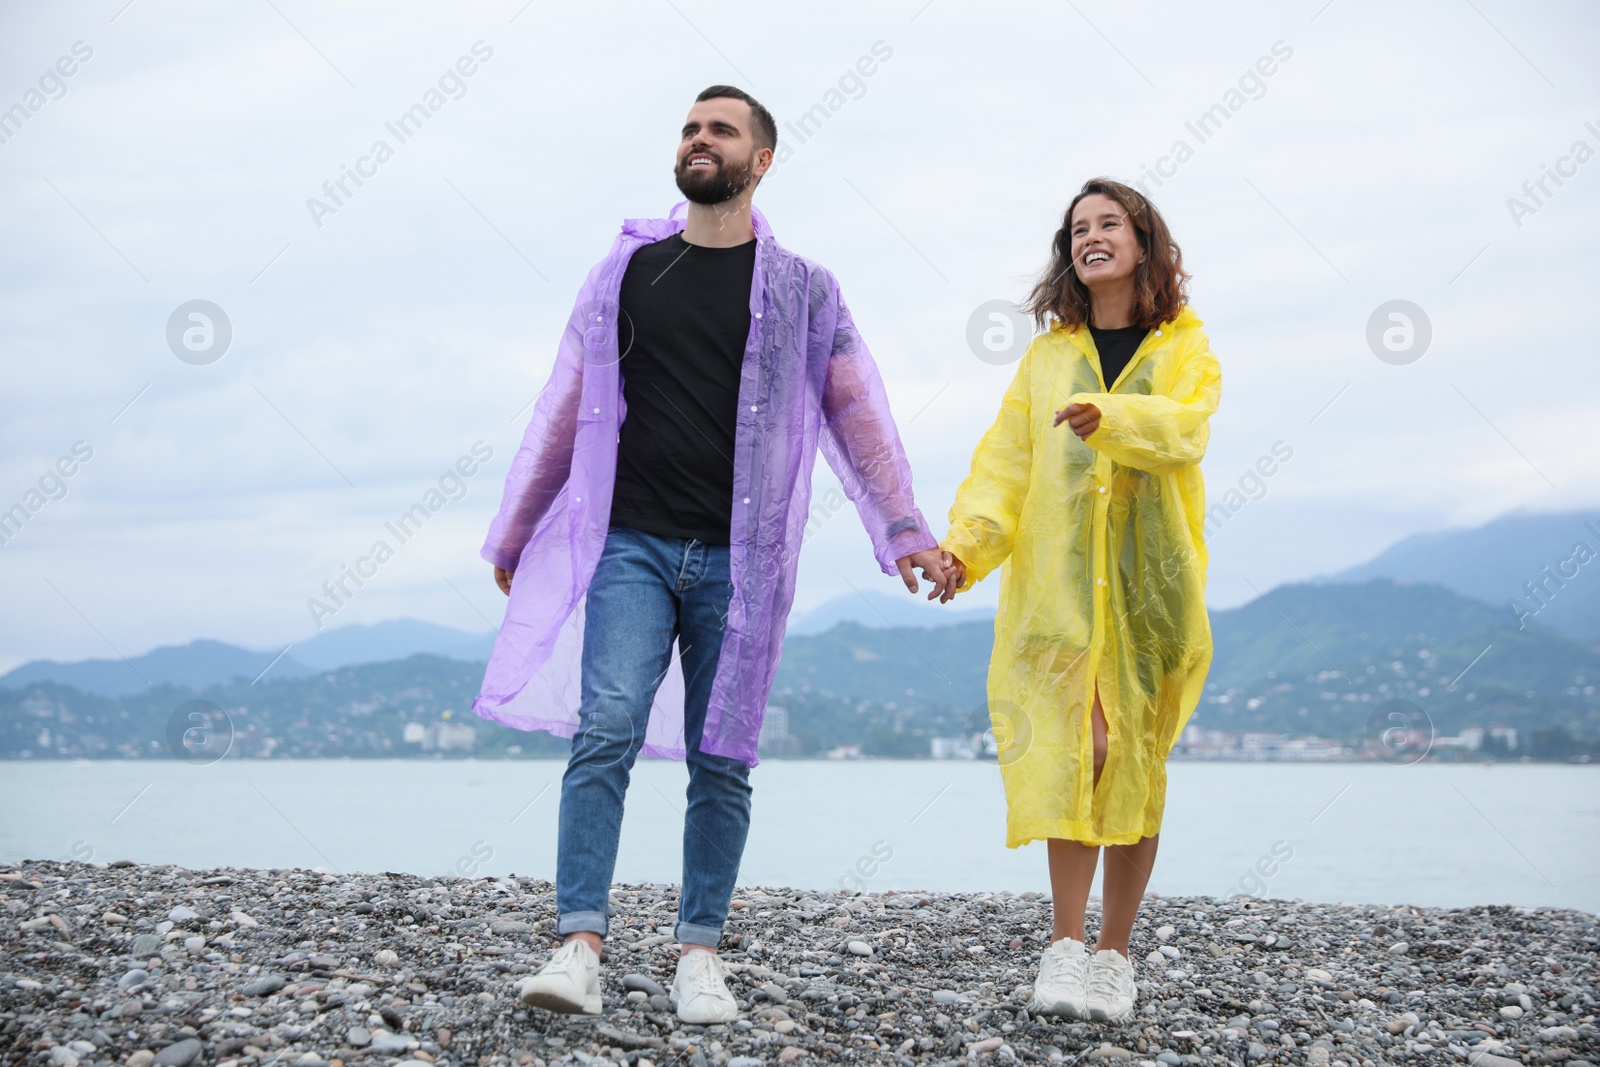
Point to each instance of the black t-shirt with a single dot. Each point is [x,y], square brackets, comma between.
[685,322]
[1116,347]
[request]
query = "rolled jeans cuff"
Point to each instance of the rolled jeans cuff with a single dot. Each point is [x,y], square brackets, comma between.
[582,922]
[691,934]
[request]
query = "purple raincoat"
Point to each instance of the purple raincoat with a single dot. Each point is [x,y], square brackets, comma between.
[807,380]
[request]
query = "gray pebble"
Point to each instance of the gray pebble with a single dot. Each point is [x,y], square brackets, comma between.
[627,1039]
[178,1054]
[643,983]
[264,986]
[383,1041]
[1489,1059]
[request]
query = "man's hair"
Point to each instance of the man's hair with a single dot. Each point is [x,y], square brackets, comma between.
[765,134]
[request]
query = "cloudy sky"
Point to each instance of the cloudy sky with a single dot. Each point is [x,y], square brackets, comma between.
[374,344]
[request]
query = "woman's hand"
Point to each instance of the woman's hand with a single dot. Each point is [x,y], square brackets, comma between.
[932,569]
[955,576]
[1083,418]
[502,578]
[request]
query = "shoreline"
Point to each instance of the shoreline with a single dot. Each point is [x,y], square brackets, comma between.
[161,966]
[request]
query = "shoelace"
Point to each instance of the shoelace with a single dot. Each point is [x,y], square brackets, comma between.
[1055,964]
[565,959]
[1106,983]
[703,977]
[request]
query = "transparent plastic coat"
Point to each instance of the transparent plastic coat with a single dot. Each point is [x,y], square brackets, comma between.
[808,381]
[1103,569]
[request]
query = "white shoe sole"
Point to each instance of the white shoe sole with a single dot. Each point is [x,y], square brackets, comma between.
[1062,1008]
[728,1018]
[1100,1015]
[551,1000]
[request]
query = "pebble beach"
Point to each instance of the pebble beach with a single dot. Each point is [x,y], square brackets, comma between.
[161,966]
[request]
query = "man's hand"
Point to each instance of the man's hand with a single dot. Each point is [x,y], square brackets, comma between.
[956,574]
[1083,418]
[502,578]
[932,563]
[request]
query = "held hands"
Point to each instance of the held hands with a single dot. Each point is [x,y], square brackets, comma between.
[1083,418]
[932,562]
[956,572]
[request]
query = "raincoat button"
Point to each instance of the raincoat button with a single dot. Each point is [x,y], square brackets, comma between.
[747,500]
[758,314]
[1100,581]
[1102,488]
[1158,333]
[754,407]
[597,411]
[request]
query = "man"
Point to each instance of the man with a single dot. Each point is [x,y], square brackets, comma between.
[733,360]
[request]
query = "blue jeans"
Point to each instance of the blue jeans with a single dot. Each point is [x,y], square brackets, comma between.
[648,590]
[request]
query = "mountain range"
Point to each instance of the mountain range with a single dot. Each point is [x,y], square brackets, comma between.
[1525,559]
[203,663]
[1530,565]
[1433,620]
[1308,659]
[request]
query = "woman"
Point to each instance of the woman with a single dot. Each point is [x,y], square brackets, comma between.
[1101,639]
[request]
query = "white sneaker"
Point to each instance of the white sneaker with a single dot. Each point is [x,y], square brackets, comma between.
[699,990]
[1062,987]
[1112,989]
[569,983]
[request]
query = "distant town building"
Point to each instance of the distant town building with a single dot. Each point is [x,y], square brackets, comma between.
[441,736]
[1199,743]
[1472,738]
[845,752]
[951,748]
[775,739]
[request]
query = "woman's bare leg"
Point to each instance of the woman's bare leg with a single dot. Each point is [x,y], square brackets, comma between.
[1072,863]
[1071,875]
[1127,866]
[1127,874]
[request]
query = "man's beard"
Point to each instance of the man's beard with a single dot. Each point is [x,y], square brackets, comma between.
[723,183]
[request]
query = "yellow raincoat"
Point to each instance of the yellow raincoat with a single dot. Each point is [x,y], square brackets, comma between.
[1103,577]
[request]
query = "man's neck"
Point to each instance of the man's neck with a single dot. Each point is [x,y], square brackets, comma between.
[721,225]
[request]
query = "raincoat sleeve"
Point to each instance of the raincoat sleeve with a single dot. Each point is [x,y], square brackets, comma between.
[983,519]
[1165,432]
[539,469]
[863,447]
